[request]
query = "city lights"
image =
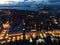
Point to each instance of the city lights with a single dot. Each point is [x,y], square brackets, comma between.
[38,27]
[18,37]
[13,39]
[6,25]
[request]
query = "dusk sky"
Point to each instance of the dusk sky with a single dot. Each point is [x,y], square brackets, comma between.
[29,0]
[21,0]
[5,1]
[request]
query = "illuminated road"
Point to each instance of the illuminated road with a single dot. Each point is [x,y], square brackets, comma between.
[5,37]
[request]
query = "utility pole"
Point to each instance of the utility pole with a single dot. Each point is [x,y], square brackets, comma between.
[23,30]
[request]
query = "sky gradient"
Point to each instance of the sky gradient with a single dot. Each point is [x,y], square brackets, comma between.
[29,0]
[14,0]
[46,1]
